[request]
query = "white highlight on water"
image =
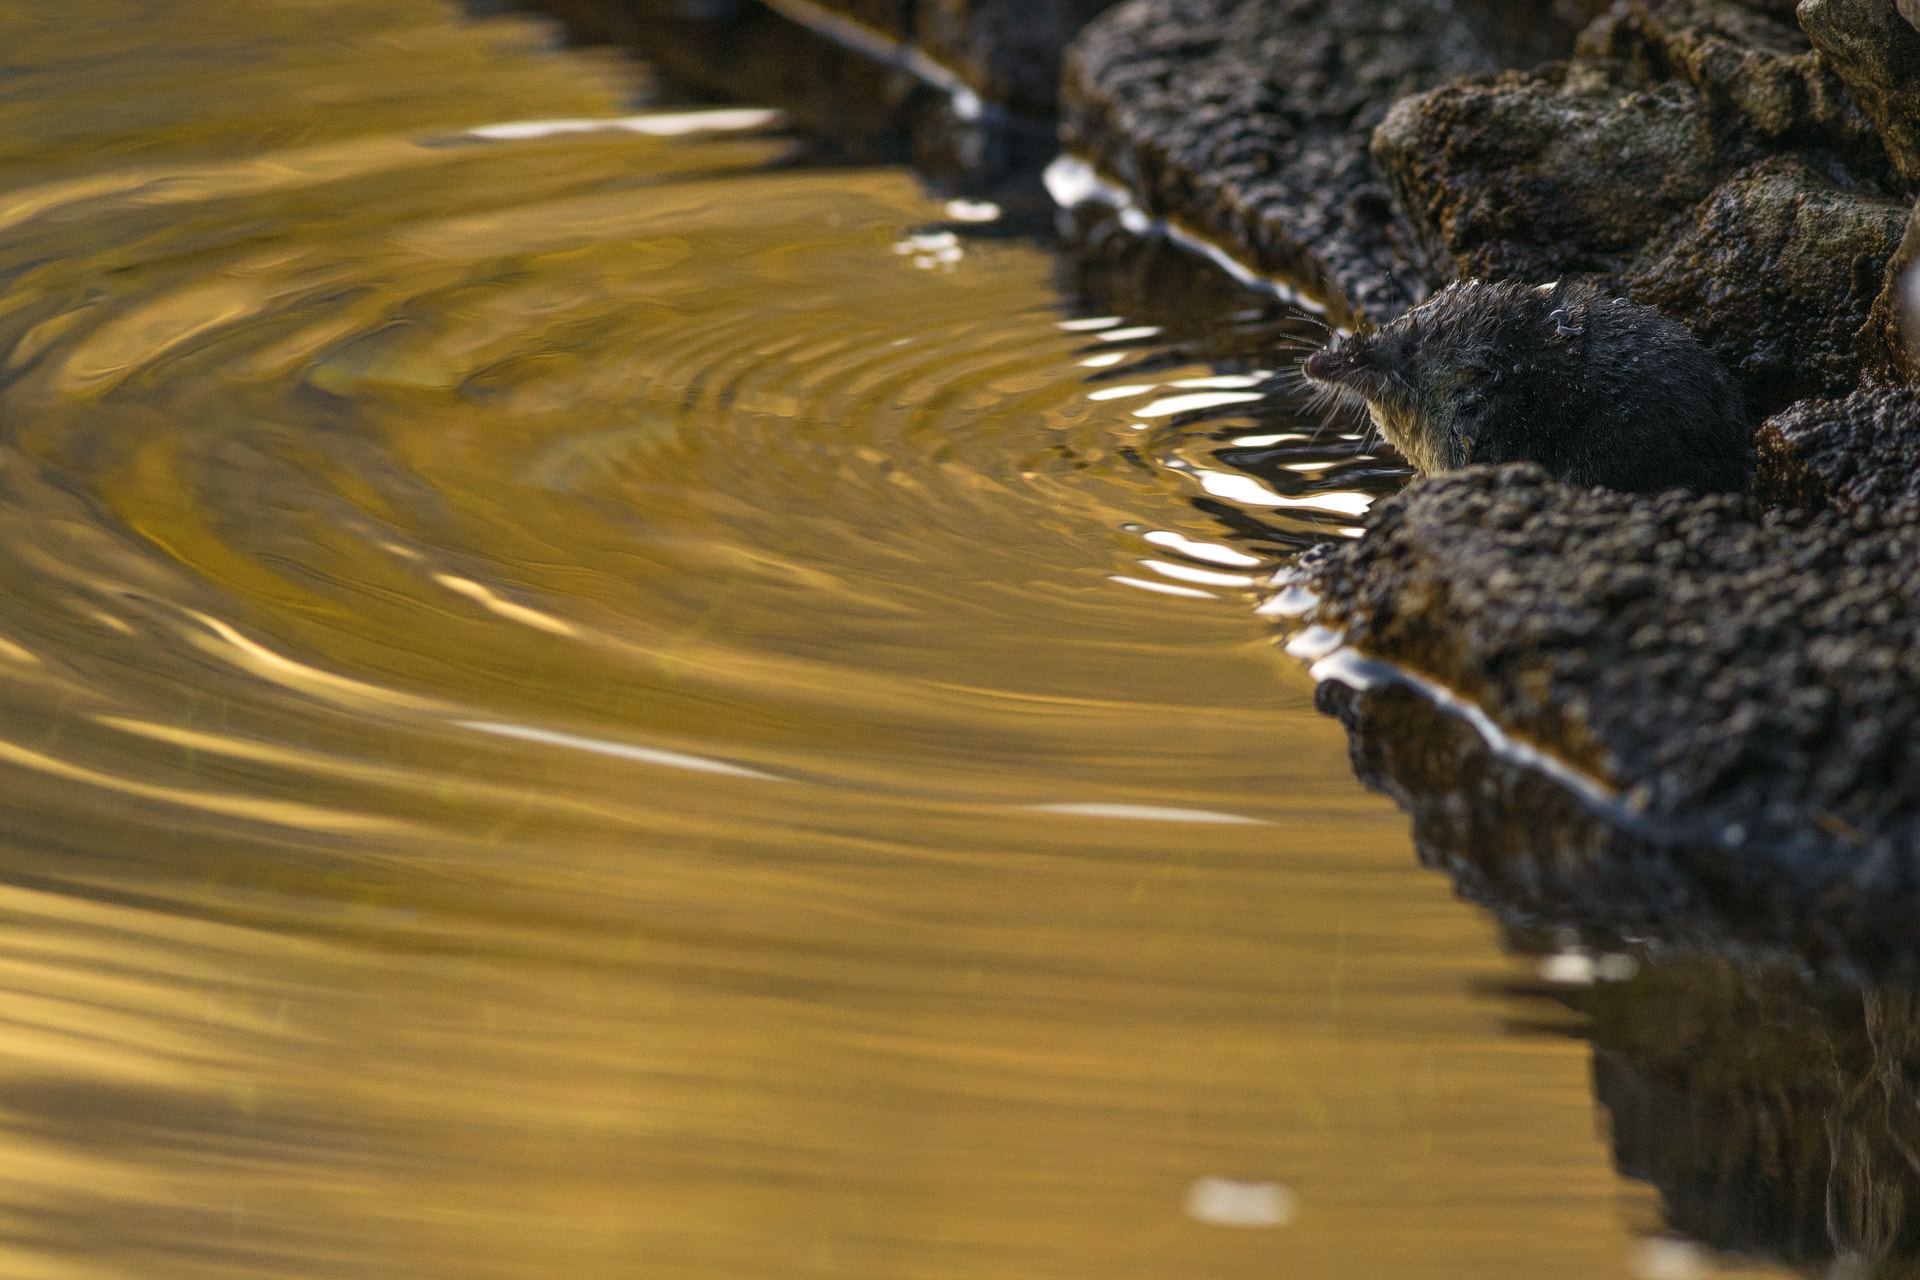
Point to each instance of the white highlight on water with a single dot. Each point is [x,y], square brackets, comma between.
[1164,588]
[658,124]
[1292,602]
[1228,1202]
[1315,643]
[1205,577]
[1223,380]
[507,609]
[966,103]
[972,210]
[1250,492]
[1197,400]
[1256,441]
[623,750]
[1363,673]
[1072,181]
[1210,551]
[1145,813]
[1116,393]
[1668,1258]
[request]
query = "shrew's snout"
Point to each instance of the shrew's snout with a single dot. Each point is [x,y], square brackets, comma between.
[1326,365]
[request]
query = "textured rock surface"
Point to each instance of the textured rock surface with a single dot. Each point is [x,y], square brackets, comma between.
[1857,454]
[1248,121]
[1877,54]
[1698,157]
[1775,273]
[1749,681]
[1754,70]
[1890,339]
[1572,168]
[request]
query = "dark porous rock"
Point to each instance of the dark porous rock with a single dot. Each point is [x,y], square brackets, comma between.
[1739,684]
[1890,339]
[1756,71]
[1568,169]
[1877,54]
[1574,168]
[1859,454]
[1247,121]
[1775,273]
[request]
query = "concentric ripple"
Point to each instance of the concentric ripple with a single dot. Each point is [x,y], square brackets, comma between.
[581,697]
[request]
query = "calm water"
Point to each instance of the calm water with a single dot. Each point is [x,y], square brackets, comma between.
[587,705]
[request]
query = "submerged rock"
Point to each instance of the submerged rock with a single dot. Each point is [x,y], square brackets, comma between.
[1855,455]
[1739,682]
[1775,273]
[1247,121]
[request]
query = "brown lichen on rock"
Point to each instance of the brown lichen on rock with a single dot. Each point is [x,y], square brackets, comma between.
[1775,273]
[1859,454]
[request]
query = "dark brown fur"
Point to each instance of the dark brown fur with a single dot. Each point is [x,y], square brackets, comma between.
[1597,390]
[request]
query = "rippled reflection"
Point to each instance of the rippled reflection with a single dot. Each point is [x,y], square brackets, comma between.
[569,707]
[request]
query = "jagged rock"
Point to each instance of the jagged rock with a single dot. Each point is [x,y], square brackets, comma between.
[1877,55]
[1248,122]
[1755,70]
[1774,273]
[1857,454]
[1747,682]
[1889,341]
[1568,169]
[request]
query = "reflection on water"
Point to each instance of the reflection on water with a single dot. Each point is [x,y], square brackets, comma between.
[570,707]
[1760,1067]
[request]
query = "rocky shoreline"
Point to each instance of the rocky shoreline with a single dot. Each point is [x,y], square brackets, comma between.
[1740,677]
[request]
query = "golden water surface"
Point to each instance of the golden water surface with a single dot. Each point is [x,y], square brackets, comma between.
[583,705]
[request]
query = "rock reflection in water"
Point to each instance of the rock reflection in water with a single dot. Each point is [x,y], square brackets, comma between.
[1773,1103]
[565,710]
